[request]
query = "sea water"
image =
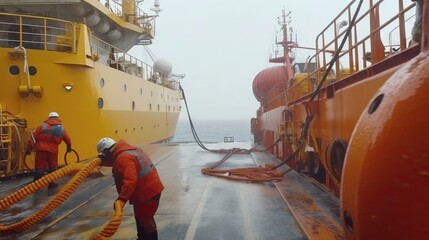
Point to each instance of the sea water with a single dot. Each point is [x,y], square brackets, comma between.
[214,131]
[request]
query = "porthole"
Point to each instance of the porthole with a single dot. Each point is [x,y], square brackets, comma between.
[150,106]
[151,93]
[102,82]
[141,91]
[162,96]
[348,220]
[335,156]
[158,107]
[32,70]
[14,70]
[133,105]
[169,108]
[125,87]
[374,105]
[100,103]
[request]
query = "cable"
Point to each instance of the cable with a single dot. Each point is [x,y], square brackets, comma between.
[266,173]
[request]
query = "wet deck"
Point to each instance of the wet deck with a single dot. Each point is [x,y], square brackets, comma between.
[193,205]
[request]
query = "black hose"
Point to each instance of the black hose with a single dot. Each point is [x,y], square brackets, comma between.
[194,132]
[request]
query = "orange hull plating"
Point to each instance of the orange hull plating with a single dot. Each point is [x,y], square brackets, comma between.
[366,149]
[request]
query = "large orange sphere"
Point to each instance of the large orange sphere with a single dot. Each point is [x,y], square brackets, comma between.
[385,185]
[267,79]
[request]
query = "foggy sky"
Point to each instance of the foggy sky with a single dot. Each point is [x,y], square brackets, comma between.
[221,45]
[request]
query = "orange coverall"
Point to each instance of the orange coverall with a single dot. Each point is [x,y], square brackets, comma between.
[48,136]
[137,181]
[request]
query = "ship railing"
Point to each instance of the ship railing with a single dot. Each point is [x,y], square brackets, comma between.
[115,7]
[275,96]
[34,32]
[366,47]
[363,49]
[118,59]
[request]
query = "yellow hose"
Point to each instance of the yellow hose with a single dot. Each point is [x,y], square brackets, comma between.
[112,226]
[64,193]
[37,185]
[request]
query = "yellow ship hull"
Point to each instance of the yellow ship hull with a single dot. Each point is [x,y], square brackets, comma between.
[103,100]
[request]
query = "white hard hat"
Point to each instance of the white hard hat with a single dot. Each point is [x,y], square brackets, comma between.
[104,143]
[53,115]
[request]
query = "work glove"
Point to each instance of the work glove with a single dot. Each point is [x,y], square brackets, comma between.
[69,149]
[28,152]
[119,202]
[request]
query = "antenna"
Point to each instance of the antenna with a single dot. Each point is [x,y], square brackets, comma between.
[156,8]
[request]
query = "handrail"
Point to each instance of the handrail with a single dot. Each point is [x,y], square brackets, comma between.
[355,56]
[117,58]
[49,34]
[34,32]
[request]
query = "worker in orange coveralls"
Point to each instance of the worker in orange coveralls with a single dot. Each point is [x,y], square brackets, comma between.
[136,180]
[45,140]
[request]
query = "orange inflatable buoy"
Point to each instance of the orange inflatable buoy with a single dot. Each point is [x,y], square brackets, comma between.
[385,183]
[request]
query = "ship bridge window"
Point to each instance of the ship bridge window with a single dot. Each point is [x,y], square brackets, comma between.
[14,70]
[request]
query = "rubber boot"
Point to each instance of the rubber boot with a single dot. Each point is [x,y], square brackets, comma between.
[37,175]
[52,184]
[148,236]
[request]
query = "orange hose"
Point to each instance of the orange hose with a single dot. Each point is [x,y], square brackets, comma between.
[112,226]
[37,185]
[108,231]
[256,174]
[65,192]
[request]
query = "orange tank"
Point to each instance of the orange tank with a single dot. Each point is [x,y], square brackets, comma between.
[384,192]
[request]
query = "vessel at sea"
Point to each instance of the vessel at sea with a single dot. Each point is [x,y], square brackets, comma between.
[348,139]
[71,57]
[353,116]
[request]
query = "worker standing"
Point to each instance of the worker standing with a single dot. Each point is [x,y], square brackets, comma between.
[136,180]
[45,141]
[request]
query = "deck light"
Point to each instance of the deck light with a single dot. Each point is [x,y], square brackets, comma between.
[68,86]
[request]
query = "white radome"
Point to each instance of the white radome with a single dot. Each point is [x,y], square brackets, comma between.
[163,66]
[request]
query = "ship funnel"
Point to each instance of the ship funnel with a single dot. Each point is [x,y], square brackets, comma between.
[156,8]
